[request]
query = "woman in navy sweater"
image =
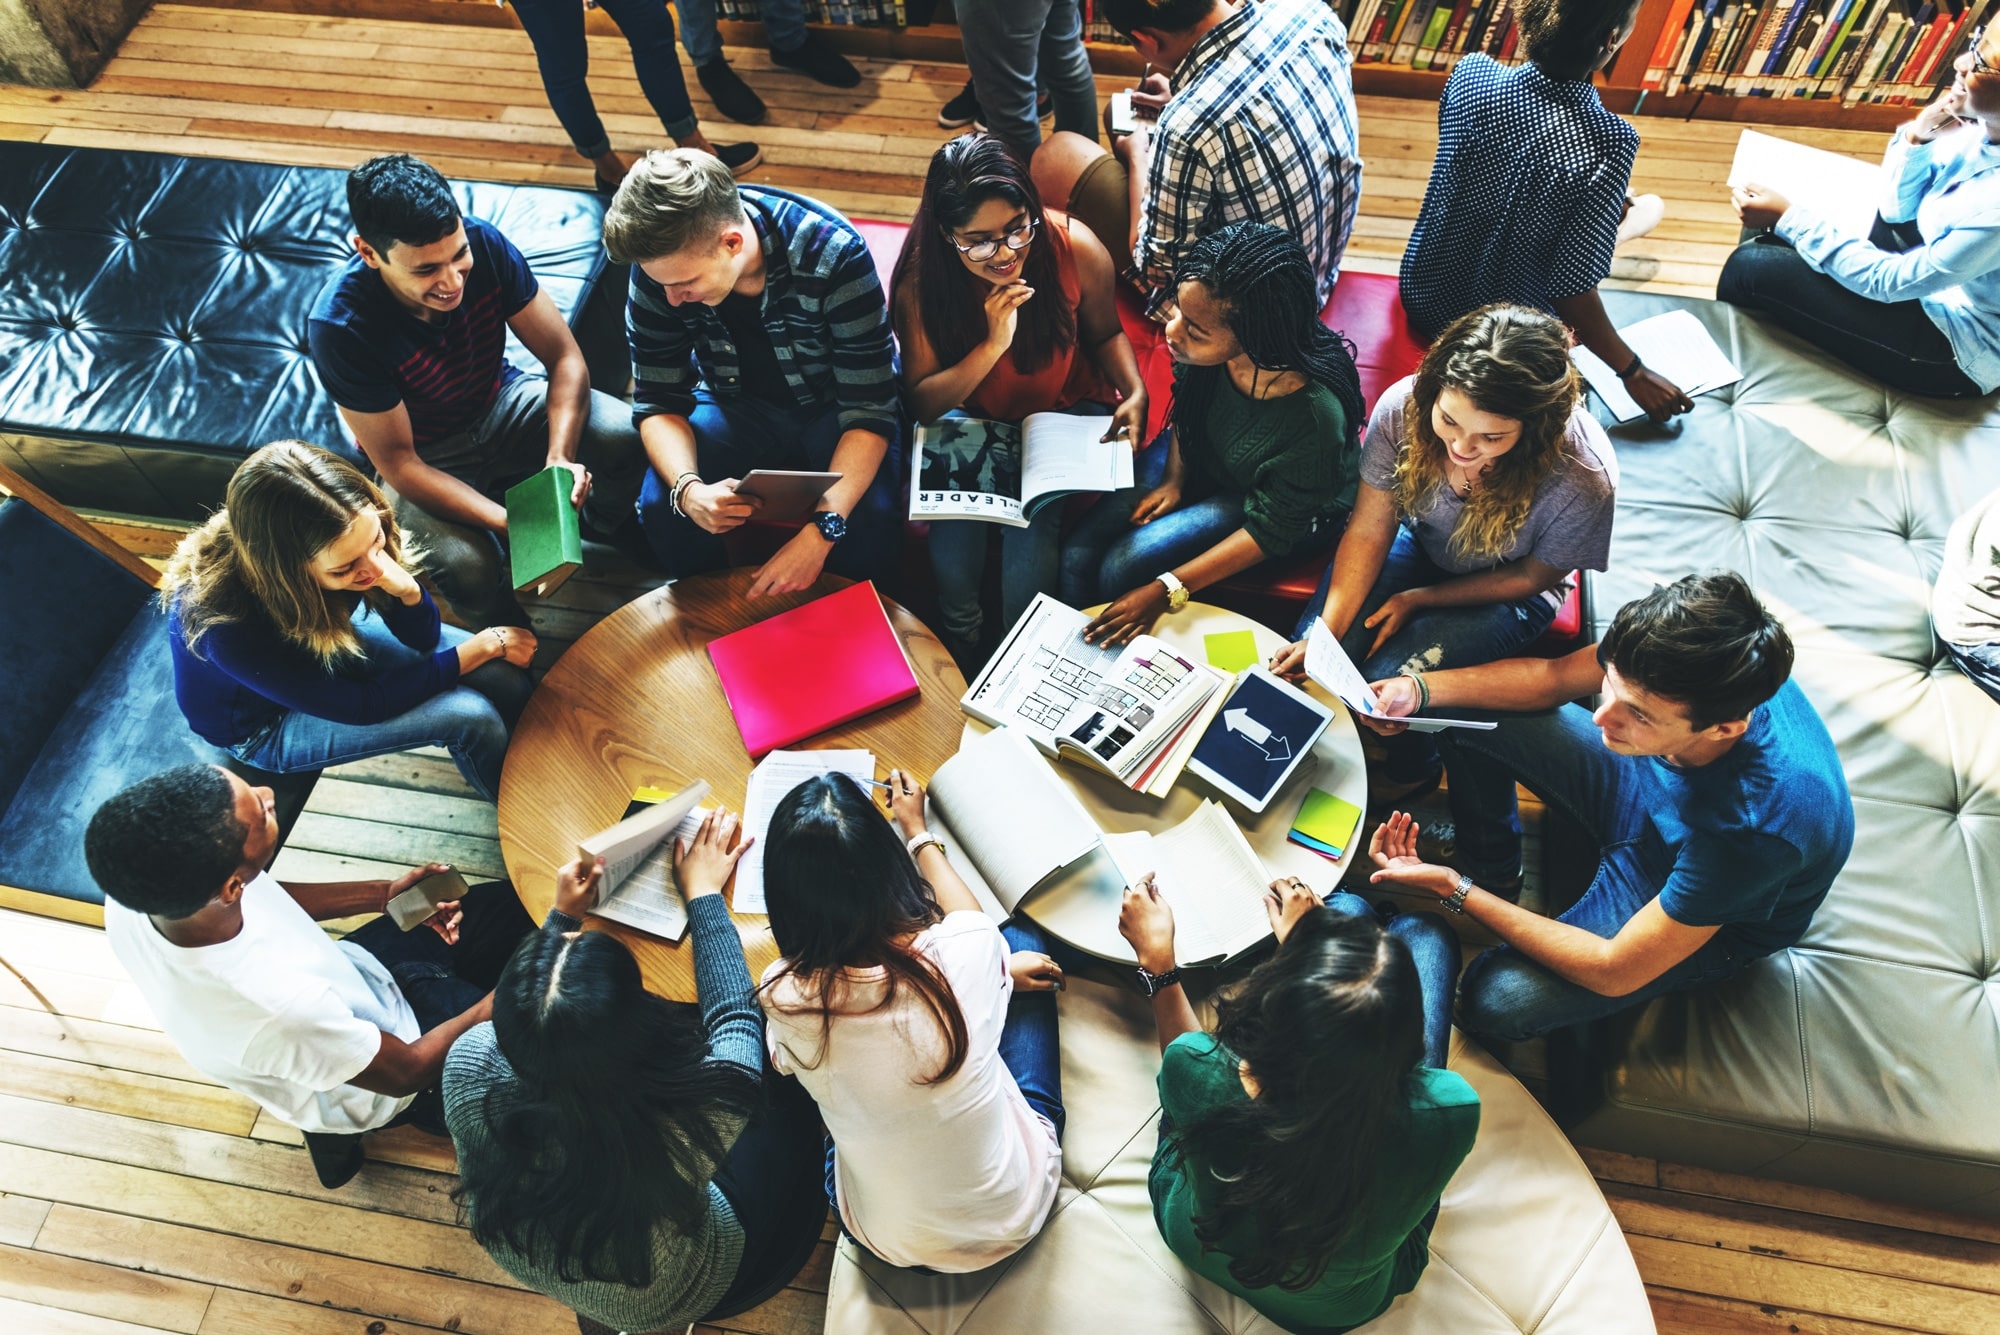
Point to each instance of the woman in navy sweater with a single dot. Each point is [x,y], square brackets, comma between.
[300,639]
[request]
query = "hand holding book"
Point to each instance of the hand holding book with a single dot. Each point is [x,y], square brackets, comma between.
[702,865]
[576,887]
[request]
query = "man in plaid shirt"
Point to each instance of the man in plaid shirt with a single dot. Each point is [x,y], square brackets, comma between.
[1256,123]
[760,339]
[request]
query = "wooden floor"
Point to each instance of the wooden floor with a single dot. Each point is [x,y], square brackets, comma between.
[137,1196]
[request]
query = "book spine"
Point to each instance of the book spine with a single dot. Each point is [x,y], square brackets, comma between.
[1364,19]
[1378,31]
[1449,49]
[1415,21]
[1772,18]
[1713,18]
[1718,42]
[1909,72]
[1856,53]
[1434,30]
[1795,61]
[1838,41]
[1672,33]
[1476,26]
[1512,41]
[1774,63]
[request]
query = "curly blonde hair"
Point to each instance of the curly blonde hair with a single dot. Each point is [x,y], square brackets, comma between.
[285,503]
[1512,362]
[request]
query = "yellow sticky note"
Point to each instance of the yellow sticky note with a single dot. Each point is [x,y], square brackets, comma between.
[1325,822]
[1232,650]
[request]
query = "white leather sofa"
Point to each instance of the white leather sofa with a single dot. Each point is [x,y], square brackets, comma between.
[1524,1242]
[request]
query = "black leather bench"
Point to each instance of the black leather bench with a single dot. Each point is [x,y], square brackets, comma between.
[153,313]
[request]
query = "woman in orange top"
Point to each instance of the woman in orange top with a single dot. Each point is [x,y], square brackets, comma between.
[977,342]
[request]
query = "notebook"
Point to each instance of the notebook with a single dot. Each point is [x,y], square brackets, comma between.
[813,668]
[544,538]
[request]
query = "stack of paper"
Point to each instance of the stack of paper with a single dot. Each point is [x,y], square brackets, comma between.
[1325,824]
[1328,664]
[773,779]
[1845,191]
[1208,872]
[1674,345]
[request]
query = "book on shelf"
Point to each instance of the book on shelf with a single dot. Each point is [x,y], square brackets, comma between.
[971,468]
[1894,52]
[544,534]
[638,888]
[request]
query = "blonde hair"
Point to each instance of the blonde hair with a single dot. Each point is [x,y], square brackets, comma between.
[1512,362]
[670,200]
[285,503]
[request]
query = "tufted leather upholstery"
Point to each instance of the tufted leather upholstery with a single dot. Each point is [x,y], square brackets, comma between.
[153,313]
[1867,1057]
[1524,1242]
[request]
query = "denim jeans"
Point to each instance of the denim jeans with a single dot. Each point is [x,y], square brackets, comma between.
[1435,638]
[1011,46]
[468,565]
[1981,662]
[733,436]
[556,29]
[1561,757]
[1029,560]
[472,720]
[1434,950]
[784,24]
[1106,555]
[769,1182]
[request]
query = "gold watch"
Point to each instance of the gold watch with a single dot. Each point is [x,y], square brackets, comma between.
[1177,592]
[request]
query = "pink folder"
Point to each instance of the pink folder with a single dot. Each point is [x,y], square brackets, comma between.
[812,668]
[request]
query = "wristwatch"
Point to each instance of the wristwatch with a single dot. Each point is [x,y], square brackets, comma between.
[1177,592]
[831,526]
[1455,902]
[1154,983]
[915,843]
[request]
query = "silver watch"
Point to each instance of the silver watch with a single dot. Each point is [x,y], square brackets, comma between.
[1455,902]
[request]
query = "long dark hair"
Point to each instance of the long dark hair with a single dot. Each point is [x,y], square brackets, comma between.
[964,174]
[1332,1029]
[842,890]
[611,1130]
[1263,281]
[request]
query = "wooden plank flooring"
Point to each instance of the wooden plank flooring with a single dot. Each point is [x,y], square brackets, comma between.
[137,1196]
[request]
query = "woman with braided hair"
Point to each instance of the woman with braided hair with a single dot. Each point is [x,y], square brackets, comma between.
[1261,457]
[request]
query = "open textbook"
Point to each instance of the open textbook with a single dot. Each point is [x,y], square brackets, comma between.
[775,776]
[971,468]
[638,887]
[1328,664]
[1674,344]
[1843,190]
[1207,871]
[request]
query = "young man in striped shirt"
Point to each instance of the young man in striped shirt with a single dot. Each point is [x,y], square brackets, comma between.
[1255,123]
[760,339]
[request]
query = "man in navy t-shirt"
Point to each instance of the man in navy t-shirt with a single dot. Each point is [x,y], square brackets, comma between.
[410,338]
[1714,793]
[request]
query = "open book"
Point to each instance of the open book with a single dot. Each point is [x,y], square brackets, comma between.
[1328,664]
[970,468]
[638,887]
[1207,871]
[1139,712]
[1674,344]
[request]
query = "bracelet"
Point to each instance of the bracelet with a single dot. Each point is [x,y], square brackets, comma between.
[1455,902]
[1626,374]
[682,481]
[918,841]
[1423,690]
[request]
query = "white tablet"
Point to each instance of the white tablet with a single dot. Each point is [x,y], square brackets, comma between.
[1259,740]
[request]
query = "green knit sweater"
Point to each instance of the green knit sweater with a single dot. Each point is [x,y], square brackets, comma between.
[1292,459]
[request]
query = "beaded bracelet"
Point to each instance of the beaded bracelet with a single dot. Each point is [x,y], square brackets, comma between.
[1423,690]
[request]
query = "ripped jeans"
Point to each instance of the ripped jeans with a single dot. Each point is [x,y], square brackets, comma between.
[1435,638]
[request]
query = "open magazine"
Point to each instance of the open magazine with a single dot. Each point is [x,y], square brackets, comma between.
[638,888]
[971,468]
[1139,711]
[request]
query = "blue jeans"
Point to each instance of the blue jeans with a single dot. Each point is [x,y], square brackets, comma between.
[733,436]
[1561,757]
[472,720]
[1107,556]
[556,29]
[784,24]
[1029,560]
[1434,950]
[1981,662]
[1435,638]
[1011,46]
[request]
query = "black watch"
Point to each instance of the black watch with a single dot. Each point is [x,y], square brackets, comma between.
[1155,983]
[831,526]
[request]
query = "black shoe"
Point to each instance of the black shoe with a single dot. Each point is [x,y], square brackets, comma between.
[818,61]
[739,158]
[732,97]
[1437,843]
[961,111]
[336,1158]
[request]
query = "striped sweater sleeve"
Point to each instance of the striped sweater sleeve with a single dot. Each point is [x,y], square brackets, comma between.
[662,341]
[864,357]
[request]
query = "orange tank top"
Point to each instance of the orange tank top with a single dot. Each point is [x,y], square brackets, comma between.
[1069,378]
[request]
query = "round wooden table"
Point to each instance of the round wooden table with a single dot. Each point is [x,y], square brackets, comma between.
[636,703]
[1088,918]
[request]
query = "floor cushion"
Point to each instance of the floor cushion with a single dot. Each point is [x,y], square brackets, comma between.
[1524,1242]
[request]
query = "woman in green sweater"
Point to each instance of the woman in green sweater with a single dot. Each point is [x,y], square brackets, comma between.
[624,1155]
[1304,1143]
[1262,454]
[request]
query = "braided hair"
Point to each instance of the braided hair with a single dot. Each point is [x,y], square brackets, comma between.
[1261,278]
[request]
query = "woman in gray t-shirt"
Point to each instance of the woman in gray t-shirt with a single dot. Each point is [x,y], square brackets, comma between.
[1484,483]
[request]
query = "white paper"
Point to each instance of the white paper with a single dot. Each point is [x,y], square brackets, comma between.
[1207,871]
[1017,823]
[775,776]
[649,898]
[1064,452]
[1042,669]
[1675,345]
[1328,664]
[1845,191]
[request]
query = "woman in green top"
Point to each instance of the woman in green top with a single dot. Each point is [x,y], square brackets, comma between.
[1305,1143]
[1262,454]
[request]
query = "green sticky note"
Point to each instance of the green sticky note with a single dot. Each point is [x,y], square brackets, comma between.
[1325,819]
[1232,650]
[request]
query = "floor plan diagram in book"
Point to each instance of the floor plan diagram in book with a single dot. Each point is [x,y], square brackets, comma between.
[1041,673]
[1139,709]
[971,468]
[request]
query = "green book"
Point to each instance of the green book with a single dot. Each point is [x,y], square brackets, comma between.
[544,542]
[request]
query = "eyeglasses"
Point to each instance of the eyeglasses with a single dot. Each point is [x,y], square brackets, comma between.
[1979,65]
[981,251]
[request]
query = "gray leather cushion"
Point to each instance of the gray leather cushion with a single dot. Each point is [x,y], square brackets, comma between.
[1868,1056]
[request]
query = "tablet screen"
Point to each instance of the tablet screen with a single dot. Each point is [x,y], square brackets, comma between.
[1255,742]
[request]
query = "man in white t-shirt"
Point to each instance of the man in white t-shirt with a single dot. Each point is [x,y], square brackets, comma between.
[335,1038]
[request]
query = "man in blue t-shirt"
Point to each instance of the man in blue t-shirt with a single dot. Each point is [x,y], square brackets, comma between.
[410,339]
[1713,791]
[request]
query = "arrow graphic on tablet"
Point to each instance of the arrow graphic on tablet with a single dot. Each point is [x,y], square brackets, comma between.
[1255,733]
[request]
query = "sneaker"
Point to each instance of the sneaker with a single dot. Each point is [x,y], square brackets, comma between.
[335,1158]
[1642,215]
[961,111]
[732,97]
[1437,843]
[739,158]
[818,61]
